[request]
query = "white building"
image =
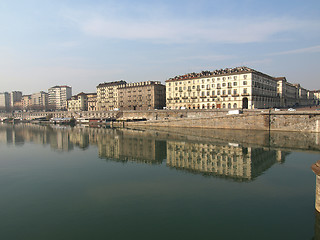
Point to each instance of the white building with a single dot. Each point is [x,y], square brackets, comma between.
[58,96]
[239,87]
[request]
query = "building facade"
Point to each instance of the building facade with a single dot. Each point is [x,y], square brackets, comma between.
[142,96]
[39,101]
[4,102]
[26,102]
[58,96]
[92,101]
[239,87]
[78,102]
[107,95]
[15,96]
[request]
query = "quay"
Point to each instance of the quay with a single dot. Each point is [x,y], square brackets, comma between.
[266,120]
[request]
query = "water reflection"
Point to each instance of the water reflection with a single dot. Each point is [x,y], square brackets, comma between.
[225,160]
[209,157]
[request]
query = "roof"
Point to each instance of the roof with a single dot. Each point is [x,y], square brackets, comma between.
[115,83]
[219,72]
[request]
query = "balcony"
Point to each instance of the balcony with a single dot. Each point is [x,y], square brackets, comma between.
[203,96]
[169,98]
[245,94]
[184,97]
[194,97]
[224,95]
[213,96]
[176,98]
[235,95]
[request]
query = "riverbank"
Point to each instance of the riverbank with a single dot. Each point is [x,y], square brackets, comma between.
[265,120]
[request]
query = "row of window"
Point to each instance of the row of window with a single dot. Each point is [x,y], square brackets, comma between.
[208,80]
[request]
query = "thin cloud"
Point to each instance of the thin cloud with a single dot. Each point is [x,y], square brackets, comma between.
[164,28]
[314,49]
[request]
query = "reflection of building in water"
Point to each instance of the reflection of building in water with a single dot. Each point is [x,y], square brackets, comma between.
[132,146]
[60,141]
[231,160]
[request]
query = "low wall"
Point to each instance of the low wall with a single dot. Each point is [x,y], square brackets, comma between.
[290,122]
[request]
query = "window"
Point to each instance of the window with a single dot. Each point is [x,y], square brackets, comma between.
[234,91]
[244,82]
[212,93]
[223,84]
[245,90]
[229,92]
[224,92]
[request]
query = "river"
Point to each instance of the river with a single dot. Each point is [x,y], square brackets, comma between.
[96,183]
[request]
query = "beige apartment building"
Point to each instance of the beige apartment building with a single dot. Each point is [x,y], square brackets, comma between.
[92,101]
[316,96]
[26,102]
[78,102]
[107,95]
[39,101]
[142,96]
[287,92]
[121,95]
[234,88]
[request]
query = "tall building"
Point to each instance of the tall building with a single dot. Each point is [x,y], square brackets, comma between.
[4,102]
[240,87]
[58,96]
[39,101]
[15,96]
[142,96]
[107,95]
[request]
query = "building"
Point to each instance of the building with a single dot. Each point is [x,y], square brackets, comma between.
[240,87]
[142,96]
[4,102]
[58,96]
[107,95]
[92,101]
[316,96]
[39,101]
[26,102]
[78,102]
[287,92]
[15,96]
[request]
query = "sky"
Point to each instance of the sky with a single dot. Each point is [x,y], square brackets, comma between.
[82,43]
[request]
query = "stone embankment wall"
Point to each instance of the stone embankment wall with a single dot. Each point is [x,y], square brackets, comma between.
[207,119]
[295,122]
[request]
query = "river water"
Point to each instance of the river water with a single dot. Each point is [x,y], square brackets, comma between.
[94,183]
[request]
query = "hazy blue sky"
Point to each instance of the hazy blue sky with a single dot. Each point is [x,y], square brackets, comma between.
[83,43]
